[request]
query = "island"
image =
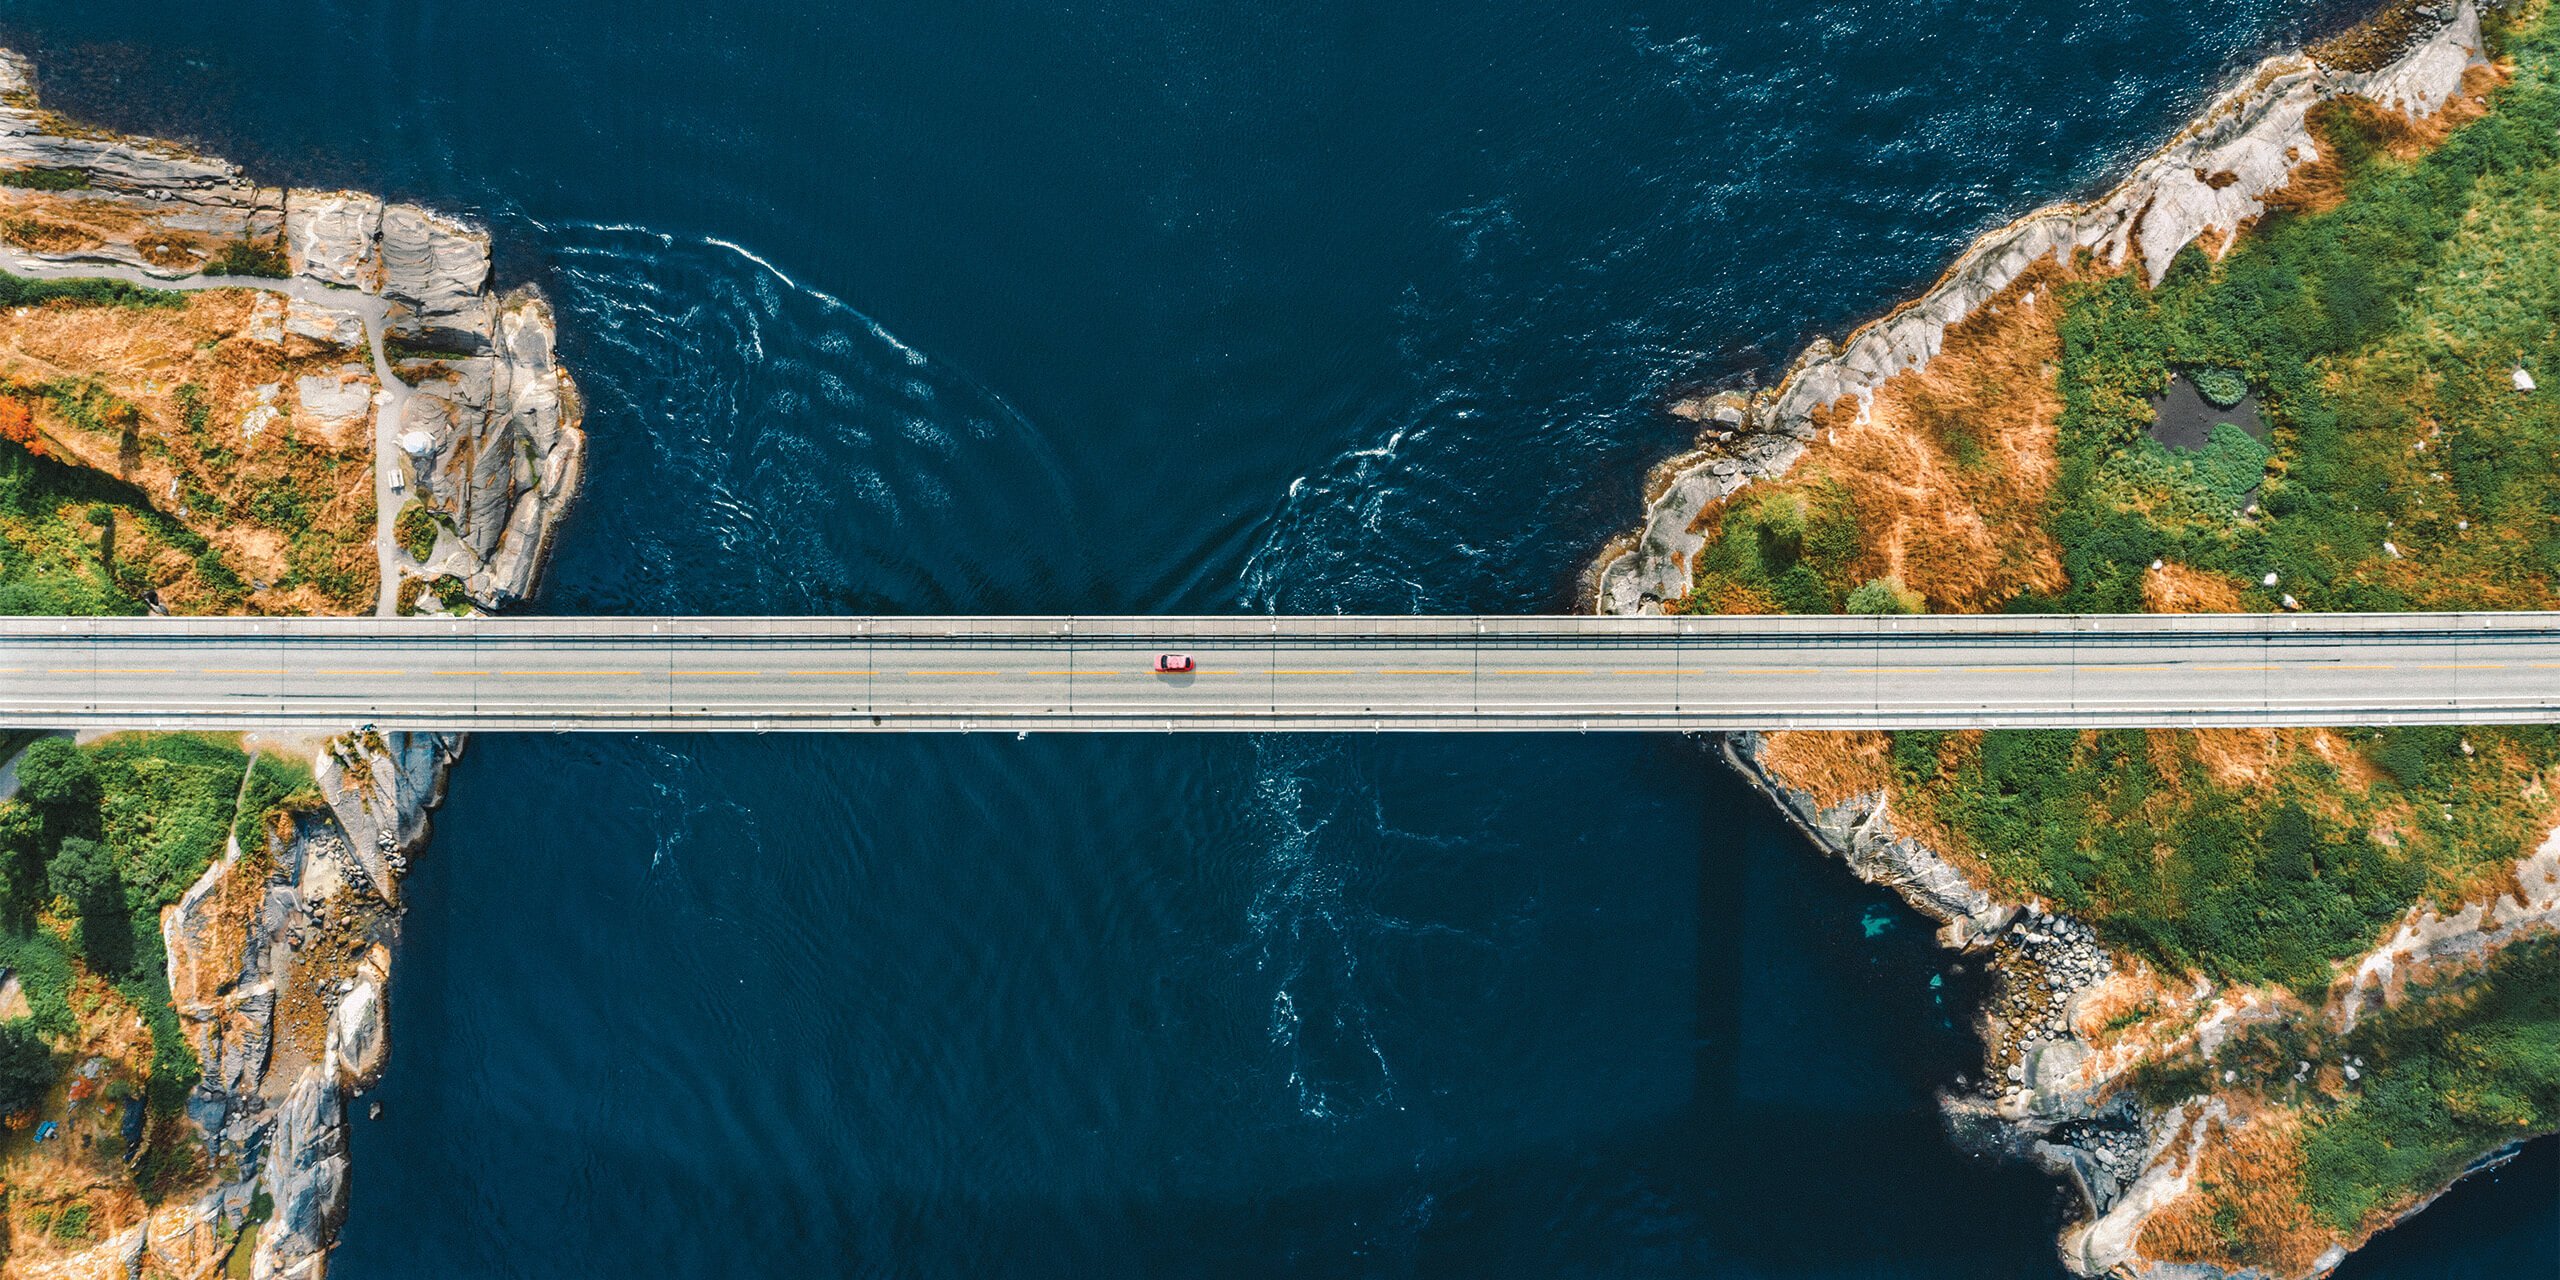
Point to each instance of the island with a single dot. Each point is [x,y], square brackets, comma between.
[2259,994]
[222,397]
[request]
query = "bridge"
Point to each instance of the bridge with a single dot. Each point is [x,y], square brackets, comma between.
[1337,674]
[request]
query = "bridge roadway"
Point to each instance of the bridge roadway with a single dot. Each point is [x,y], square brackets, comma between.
[1260,673]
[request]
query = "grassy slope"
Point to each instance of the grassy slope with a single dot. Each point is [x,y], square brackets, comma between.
[74,540]
[215,513]
[2389,318]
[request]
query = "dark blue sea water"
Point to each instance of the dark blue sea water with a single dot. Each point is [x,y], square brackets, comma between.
[1156,306]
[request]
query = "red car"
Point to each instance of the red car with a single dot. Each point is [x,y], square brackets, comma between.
[1172,664]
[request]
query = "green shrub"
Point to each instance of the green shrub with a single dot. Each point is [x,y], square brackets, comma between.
[416,528]
[245,257]
[167,808]
[20,291]
[2221,388]
[1882,595]
[72,1224]
[42,179]
[27,1066]
[2447,1079]
[450,593]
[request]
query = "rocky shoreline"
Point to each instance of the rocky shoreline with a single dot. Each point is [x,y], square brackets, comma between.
[280,955]
[2054,1085]
[2204,185]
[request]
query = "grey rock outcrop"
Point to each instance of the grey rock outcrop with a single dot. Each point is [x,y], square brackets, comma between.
[506,447]
[306,1177]
[281,987]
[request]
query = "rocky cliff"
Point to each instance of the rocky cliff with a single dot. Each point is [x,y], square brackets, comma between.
[474,414]
[280,955]
[279,959]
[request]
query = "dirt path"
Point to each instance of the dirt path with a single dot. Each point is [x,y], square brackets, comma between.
[391,405]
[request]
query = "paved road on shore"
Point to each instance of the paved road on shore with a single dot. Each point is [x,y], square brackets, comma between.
[1320,674]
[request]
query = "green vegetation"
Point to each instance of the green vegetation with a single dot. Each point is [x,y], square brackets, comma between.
[2446,1079]
[1780,550]
[401,348]
[40,179]
[2221,388]
[27,1066]
[2404,469]
[71,1223]
[416,527]
[2268,881]
[1882,595]
[246,257]
[166,808]
[108,835]
[20,291]
[2383,333]
[450,593]
[77,542]
[276,785]
[2380,334]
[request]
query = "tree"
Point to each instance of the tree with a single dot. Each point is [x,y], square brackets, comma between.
[21,850]
[83,871]
[54,773]
[27,1066]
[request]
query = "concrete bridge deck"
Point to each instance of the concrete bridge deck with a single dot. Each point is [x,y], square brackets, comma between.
[1338,674]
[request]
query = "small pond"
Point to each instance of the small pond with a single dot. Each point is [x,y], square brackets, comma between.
[2184,417]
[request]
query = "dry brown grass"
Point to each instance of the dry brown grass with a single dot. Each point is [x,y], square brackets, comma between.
[2178,588]
[217,479]
[1833,767]
[61,222]
[2246,1205]
[2320,184]
[2237,758]
[1950,466]
[1837,766]
[84,1165]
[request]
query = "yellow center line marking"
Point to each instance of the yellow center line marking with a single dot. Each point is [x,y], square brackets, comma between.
[1646,671]
[717,673]
[557,673]
[1773,671]
[1891,671]
[2131,666]
[361,671]
[2463,666]
[2364,666]
[831,673]
[1543,671]
[1061,671]
[1993,670]
[1313,671]
[1430,671]
[2263,666]
[912,673]
[244,671]
[114,671]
